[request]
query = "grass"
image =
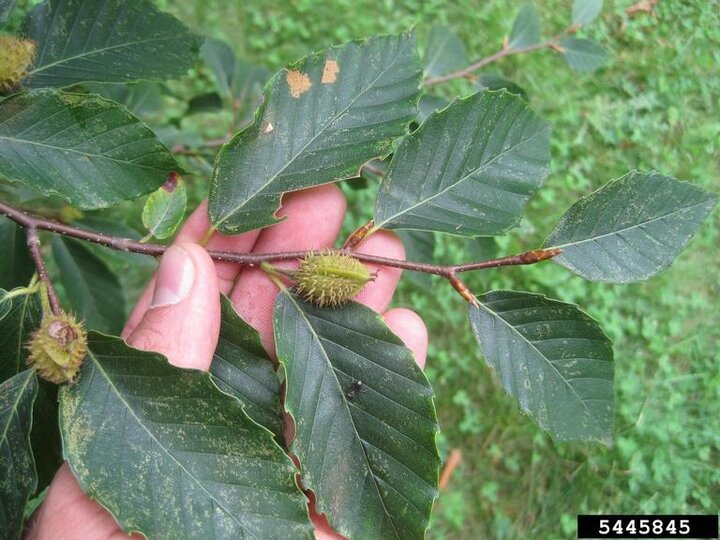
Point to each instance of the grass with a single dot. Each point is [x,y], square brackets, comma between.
[655,106]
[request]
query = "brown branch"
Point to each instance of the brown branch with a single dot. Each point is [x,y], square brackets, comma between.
[33,243]
[460,286]
[451,464]
[33,223]
[551,43]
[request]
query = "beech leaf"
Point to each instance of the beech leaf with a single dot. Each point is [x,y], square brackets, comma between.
[526,28]
[445,52]
[18,477]
[585,11]
[15,332]
[170,455]
[631,228]
[16,327]
[87,149]
[365,421]
[116,41]
[583,54]
[553,358]
[165,208]
[16,266]
[243,369]
[321,119]
[468,170]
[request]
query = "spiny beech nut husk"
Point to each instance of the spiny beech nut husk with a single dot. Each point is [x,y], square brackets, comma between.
[16,55]
[331,278]
[58,348]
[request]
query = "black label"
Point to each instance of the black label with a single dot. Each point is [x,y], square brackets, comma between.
[648,526]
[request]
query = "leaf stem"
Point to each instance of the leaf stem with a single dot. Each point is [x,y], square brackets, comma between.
[22,291]
[551,43]
[33,223]
[33,242]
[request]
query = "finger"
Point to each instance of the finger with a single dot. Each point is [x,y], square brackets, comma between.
[313,221]
[378,294]
[195,229]
[411,329]
[323,530]
[183,319]
[68,513]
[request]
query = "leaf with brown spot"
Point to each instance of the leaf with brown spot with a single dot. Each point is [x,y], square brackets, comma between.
[330,72]
[298,82]
[321,132]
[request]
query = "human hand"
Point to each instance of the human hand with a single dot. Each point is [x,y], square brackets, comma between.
[178,316]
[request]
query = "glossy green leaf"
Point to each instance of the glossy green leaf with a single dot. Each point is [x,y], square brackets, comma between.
[165,208]
[108,41]
[583,54]
[585,11]
[243,369]
[16,266]
[89,150]
[491,81]
[18,478]
[445,52]
[93,290]
[15,330]
[172,456]
[321,119]
[553,358]
[468,169]
[526,28]
[419,247]
[631,228]
[364,416]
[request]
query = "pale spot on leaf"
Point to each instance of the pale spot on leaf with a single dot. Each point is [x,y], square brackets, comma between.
[330,72]
[269,128]
[298,82]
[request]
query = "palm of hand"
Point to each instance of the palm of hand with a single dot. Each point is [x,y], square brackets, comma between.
[178,315]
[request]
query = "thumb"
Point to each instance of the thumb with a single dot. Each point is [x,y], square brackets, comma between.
[183,320]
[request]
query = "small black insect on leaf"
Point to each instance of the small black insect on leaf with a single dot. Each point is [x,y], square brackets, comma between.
[354,389]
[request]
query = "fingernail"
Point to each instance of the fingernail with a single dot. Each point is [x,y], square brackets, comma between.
[174,278]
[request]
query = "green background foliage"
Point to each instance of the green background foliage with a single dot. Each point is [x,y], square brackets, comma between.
[652,106]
